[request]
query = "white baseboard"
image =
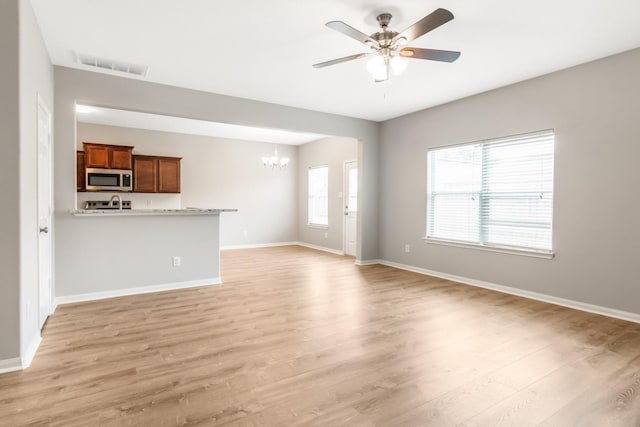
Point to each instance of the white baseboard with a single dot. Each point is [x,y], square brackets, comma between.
[320,248]
[68,299]
[10,365]
[31,351]
[591,308]
[368,261]
[258,245]
[271,245]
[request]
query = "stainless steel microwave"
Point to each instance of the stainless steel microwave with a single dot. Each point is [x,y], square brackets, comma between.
[108,180]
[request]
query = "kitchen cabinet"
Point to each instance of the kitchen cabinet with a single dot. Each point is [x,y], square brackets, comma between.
[106,156]
[145,172]
[80,171]
[156,174]
[169,175]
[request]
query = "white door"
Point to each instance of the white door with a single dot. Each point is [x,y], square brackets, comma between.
[44,212]
[350,207]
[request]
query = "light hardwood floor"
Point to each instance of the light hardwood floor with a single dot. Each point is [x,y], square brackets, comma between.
[299,337]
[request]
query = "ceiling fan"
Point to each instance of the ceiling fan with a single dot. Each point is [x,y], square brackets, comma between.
[388,45]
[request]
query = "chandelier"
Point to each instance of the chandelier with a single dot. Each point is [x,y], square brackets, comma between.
[275,161]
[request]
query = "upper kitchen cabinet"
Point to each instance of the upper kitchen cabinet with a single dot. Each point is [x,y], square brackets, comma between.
[145,172]
[80,171]
[156,174]
[168,174]
[108,156]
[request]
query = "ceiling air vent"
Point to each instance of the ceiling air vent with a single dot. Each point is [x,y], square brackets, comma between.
[111,65]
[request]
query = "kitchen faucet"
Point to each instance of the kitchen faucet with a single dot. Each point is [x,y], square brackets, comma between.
[113,198]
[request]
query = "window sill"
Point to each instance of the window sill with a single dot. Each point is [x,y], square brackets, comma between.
[320,226]
[501,249]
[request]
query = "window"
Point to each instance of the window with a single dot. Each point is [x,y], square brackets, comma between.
[495,194]
[319,196]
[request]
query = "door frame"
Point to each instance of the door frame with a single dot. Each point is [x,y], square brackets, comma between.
[41,104]
[345,195]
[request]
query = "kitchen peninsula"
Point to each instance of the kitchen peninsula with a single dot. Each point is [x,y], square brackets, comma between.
[134,212]
[113,253]
[116,244]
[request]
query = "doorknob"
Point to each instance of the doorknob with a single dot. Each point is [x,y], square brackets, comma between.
[44,230]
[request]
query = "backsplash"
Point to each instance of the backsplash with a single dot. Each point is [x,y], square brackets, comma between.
[138,200]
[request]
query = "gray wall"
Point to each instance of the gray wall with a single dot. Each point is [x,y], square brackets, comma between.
[330,152]
[9,184]
[36,79]
[110,254]
[217,173]
[595,111]
[25,72]
[369,162]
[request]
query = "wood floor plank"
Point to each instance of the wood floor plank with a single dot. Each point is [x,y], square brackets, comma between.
[618,403]
[533,405]
[298,337]
[453,407]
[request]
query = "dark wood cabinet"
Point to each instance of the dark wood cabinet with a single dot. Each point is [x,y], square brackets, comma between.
[106,156]
[156,174]
[80,171]
[145,171]
[96,156]
[120,157]
[168,175]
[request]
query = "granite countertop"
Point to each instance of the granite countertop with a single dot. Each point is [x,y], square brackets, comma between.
[135,212]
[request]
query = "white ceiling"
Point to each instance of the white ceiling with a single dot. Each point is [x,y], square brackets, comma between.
[137,120]
[264,50]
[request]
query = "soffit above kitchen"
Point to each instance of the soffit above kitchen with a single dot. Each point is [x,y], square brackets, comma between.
[265,50]
[139,120]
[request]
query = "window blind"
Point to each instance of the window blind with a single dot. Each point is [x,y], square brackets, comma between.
[493,193]
[318,191]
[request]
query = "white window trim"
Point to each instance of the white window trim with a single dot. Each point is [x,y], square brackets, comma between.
[492,248]
[320,226]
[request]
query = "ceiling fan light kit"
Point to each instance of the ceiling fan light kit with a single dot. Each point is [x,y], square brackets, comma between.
[379,66]
[387,45]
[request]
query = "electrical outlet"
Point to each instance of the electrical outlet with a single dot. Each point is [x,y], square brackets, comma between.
[407,248]
[326,235]
[149,203]
[177,261]
[244,233]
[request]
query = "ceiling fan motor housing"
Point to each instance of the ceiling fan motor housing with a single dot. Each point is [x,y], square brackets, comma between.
[384,37]
[384,19]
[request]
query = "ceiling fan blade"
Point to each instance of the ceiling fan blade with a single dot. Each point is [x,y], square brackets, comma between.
[426,24]
[339,60]
[432,54]
[352,32]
